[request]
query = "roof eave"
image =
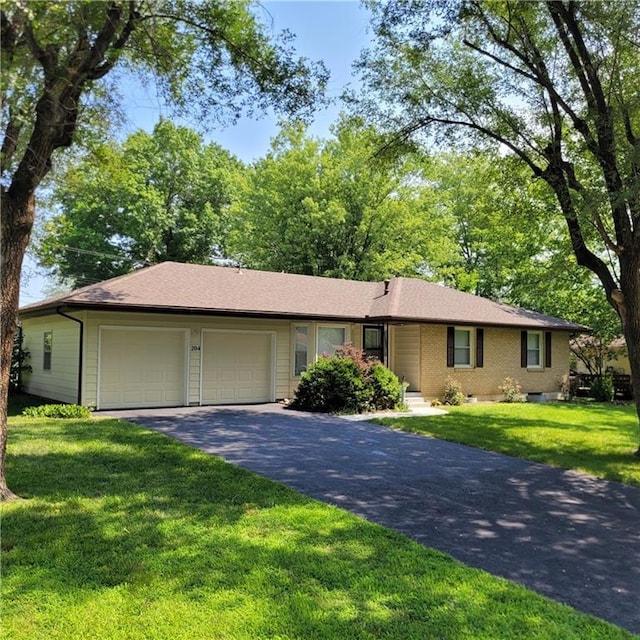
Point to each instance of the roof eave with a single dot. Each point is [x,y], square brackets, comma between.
[70,305]
[476,323]
[197,311]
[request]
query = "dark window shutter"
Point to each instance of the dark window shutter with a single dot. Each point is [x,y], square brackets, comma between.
[451,338]
[547,349]
[523,349]
[479,348]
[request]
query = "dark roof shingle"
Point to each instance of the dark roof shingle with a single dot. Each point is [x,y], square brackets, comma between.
[175,287]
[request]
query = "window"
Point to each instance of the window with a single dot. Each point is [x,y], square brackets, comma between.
[463,345]
[373,341]
[462,348]
[531,349]
[46,350]
[300,349]
[329,338]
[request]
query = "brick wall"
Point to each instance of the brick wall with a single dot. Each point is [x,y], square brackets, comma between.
[501,360]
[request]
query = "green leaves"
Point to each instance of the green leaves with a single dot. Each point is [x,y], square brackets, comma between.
[214,60]
[160,196]
[331,208]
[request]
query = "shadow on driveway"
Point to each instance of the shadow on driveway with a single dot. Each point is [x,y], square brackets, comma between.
[569,536]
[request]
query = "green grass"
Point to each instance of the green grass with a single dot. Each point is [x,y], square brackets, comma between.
[126,534]
[598,439]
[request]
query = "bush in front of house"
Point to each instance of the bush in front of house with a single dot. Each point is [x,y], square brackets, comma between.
[387,389]
[453,395]
[347,382]
[511,390]
[57,411]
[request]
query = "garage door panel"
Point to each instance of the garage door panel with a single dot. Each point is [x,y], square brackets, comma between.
[236,368]
[142,368]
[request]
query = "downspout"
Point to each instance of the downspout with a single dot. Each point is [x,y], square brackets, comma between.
[80,351]
[385,344]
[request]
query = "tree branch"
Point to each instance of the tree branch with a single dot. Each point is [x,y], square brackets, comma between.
[213,33]
[569,30]
[94,67]
[9,143]
[540,74]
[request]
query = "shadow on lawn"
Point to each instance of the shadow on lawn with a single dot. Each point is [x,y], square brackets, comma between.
[130,508]
[502,431]
[112,505]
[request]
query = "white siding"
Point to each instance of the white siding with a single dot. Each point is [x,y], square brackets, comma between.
[61,381]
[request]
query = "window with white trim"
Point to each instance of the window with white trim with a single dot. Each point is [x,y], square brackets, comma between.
[300,349]
[462,348]
[534,349]
[329,338]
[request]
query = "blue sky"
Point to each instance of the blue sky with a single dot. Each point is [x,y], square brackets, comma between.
[331,30]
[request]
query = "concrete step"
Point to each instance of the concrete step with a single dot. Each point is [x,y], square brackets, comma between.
[415,401]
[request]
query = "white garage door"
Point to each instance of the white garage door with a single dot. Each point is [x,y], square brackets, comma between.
[236,367]
[141,368]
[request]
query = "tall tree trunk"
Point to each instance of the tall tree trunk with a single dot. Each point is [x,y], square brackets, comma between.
[15,230]
[629,308]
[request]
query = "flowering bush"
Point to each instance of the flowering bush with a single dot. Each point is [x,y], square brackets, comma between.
[511,390]
[347,382]
[453,392]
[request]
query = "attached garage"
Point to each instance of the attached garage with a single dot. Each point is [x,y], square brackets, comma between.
[142,367]
[237,367]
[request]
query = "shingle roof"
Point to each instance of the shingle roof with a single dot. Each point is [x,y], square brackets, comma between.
[177,287]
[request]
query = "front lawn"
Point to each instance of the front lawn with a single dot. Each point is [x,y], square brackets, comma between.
[126,534]
[596,438]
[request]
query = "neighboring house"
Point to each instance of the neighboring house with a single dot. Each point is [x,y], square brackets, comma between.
[181,334]
[620,361]
[615,357]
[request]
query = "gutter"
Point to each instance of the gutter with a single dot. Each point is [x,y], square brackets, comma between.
[80,350]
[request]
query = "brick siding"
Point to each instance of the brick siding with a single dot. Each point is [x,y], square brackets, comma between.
[501,360]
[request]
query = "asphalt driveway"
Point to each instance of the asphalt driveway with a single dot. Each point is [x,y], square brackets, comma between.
[569,536]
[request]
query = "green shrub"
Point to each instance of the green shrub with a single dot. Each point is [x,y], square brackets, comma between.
[602,389]
[57,411]
[453,393]
[387,389]
[511,390]
[347,382]
[19,363]
[332,385]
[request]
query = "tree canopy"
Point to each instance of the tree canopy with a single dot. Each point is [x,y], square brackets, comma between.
[155,197]
[551,83]
[327,207]
[60,63]
[505,240]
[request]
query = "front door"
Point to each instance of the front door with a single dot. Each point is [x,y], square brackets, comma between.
[373,341]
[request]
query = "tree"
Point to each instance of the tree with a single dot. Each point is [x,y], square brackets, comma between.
[551,83]
[160,196]
[325,208]
[60,62]
[480,195]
